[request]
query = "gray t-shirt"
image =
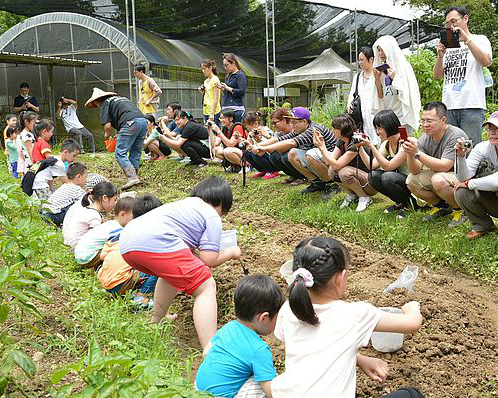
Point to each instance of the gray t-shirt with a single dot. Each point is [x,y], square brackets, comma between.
[443,149]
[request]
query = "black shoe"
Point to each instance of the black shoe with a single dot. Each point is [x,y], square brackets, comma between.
[315,186]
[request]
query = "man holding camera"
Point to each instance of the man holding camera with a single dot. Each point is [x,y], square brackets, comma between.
[25,102]
[431,160]
[462,70]
[66,110]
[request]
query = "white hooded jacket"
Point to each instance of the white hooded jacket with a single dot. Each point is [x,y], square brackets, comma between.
[404,81]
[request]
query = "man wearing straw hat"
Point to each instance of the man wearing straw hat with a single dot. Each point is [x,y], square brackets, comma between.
[119,113]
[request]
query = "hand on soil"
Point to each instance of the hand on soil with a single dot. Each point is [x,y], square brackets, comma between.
[236,253]
[374,368]
[411,307]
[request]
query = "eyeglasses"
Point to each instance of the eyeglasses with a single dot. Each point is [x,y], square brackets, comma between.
[296,121]
[428,121]
[453,21]
[275,121]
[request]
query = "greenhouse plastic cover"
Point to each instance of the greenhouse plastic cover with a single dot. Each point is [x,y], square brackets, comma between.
[303,29]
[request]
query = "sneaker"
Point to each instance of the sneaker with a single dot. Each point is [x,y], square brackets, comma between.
[289,180]
[458,219]
[315,186]
[259,174]
[393,208]
[268,176]
[186,159]
[147,156]
[477,234]
[242,170]
[350,198]
[176,157]
[437,212]
[402,213]
[363,203]
[201,166]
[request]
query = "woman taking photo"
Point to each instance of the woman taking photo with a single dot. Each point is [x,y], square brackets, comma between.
[211,107]
[367,90]
[390,179]
[234,88]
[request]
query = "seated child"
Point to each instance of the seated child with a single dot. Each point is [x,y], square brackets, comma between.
[115,275]
[41,149]
[238,361]
[85,213]
[11,147]
[67,194]
[322,333]
[43,184]
[88,249]
[160,243]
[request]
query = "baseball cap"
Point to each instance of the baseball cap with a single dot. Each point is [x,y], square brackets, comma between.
[300,113]
[493,119]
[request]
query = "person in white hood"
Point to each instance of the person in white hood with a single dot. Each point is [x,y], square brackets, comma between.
[394,74]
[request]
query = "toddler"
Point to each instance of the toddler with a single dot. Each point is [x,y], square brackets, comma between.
[11,148]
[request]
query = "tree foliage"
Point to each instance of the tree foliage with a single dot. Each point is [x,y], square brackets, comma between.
[8,20]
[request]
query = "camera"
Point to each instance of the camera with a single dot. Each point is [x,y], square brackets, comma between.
[255,132]
[209,123]
[62,99]
[243,146]
[357,138]
[467,144]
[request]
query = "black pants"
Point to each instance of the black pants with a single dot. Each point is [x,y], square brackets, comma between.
[404,393]
[165,150]
[57,218]
[391,184]
[260,163]
[196,151]
[280,161]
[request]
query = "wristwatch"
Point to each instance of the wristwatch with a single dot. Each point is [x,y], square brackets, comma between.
[417,155]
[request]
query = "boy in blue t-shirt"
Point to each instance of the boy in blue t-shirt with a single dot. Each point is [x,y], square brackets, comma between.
[238,362]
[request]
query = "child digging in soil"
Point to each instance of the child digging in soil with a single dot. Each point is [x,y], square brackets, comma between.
[160,243]
[115,275]
[322,333]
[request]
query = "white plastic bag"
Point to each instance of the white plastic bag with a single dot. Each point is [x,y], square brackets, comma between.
[405,280]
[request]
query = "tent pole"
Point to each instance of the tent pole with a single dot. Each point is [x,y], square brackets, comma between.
[274,52]
[129,49]
[267,56]
[134,25]
[355,41]
[50,89]
[350,41]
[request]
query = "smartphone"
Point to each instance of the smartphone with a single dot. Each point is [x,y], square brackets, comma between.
[383,68]
[449,38]
[403,134]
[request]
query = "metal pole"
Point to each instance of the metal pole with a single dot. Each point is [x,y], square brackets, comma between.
[129,49]
[355,41]
[135,60]
[274,52]
[267,56]
[50,89]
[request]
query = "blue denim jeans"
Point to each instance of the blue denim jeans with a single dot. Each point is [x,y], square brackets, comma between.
[148,286]
[469,120]
[239,116]
[216,119]
[129,143]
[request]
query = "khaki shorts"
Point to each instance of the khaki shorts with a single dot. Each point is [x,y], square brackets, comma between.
[423,180]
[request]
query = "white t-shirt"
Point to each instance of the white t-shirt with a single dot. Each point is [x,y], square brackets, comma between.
[77,222]
[70,118]
[43,177]
[391,99]
[320,361]
[94,240]
[463,76]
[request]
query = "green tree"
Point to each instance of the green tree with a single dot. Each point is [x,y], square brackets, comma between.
[8,20]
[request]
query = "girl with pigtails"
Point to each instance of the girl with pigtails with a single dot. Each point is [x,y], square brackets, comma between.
[322,333]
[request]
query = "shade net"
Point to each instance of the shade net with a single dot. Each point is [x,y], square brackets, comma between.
[303,29]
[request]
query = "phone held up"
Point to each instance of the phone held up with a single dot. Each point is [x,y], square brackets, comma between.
[382,68]
[450,38]
[403,134]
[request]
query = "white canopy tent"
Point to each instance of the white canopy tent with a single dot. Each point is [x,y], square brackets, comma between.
[327,68]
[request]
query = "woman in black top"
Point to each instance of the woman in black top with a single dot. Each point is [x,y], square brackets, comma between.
[234,88]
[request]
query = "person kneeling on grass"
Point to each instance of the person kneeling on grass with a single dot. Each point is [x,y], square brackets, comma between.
[115,275]
[67,194]
[238,362]
[477,190]
[346,166]
[87,251]
[161,243]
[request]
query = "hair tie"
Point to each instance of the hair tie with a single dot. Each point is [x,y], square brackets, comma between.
[306,275]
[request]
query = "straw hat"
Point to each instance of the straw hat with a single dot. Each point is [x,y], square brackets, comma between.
[97,94]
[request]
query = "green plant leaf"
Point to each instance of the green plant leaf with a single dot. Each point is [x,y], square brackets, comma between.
[94,353]
[6,364]
[58,375]
[4,312]
[36,295]
[3,385]
[4,274]
[24,362]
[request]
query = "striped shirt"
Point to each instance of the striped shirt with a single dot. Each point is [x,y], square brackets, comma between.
[66,195]
[305,139]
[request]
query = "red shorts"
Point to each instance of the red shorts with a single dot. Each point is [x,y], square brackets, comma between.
[184,271]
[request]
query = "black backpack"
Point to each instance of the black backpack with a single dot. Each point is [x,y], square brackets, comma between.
[29,178]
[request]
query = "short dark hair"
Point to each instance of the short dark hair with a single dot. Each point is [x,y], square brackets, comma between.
[140,68]
[252,117]
[256,294]
[144,204]
[70,145]
[367,52]
[461,10]
[10,116]
[74,169]
[124,204]
[174,105]
[151,118]
[345,123]
[387,120]
[229,114]
[215,191]
[10,131]
[438,106]
[23,85]
[181,114]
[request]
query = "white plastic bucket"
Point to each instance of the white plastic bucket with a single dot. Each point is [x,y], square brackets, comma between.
[228,239]
[286,272]
[388,342]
